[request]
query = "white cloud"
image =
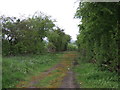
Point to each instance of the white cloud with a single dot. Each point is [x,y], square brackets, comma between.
[61,10]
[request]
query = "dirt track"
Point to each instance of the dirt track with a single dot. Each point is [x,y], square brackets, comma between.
[69,81]
[65,80]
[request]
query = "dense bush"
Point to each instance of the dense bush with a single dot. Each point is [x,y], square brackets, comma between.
[59,39]
[51,47]
[72,47]
[23,36]
[99,38]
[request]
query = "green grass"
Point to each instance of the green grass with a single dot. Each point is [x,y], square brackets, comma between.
[20,68]
[89,76]
[46,81]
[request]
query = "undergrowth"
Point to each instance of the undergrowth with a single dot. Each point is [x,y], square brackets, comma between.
[88,75]
[18,68]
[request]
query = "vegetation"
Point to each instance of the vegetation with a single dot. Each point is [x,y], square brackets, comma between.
[88,75]
[24,36]
[72,47]
[20,68]
[25,50]
[59,39]
[99,38]
[97,43]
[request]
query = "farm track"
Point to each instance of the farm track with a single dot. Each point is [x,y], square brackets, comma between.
[65,77]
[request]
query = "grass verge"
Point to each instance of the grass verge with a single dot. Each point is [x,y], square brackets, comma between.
[20,68]
[88,75]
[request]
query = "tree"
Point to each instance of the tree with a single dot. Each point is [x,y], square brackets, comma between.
[99,33]
[26,35]
[59,39]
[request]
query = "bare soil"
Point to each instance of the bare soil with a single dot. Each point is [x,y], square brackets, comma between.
[69,81]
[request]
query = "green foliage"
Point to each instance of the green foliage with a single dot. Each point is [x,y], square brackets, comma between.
[6,48]
[72,47]
[98,38]
[24,36]
[51,47]
[88,75]
[17,68]
[59,39]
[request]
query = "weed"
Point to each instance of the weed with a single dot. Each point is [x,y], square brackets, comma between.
[89,76]
[20,68]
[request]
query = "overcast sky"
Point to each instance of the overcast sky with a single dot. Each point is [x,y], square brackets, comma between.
[61,10]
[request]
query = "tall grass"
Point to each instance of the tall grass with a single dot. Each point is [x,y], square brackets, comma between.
[18,68]
[88,75]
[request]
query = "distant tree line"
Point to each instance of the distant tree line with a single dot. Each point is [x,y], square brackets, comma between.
[99,37]
[59,39]
[24,36]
